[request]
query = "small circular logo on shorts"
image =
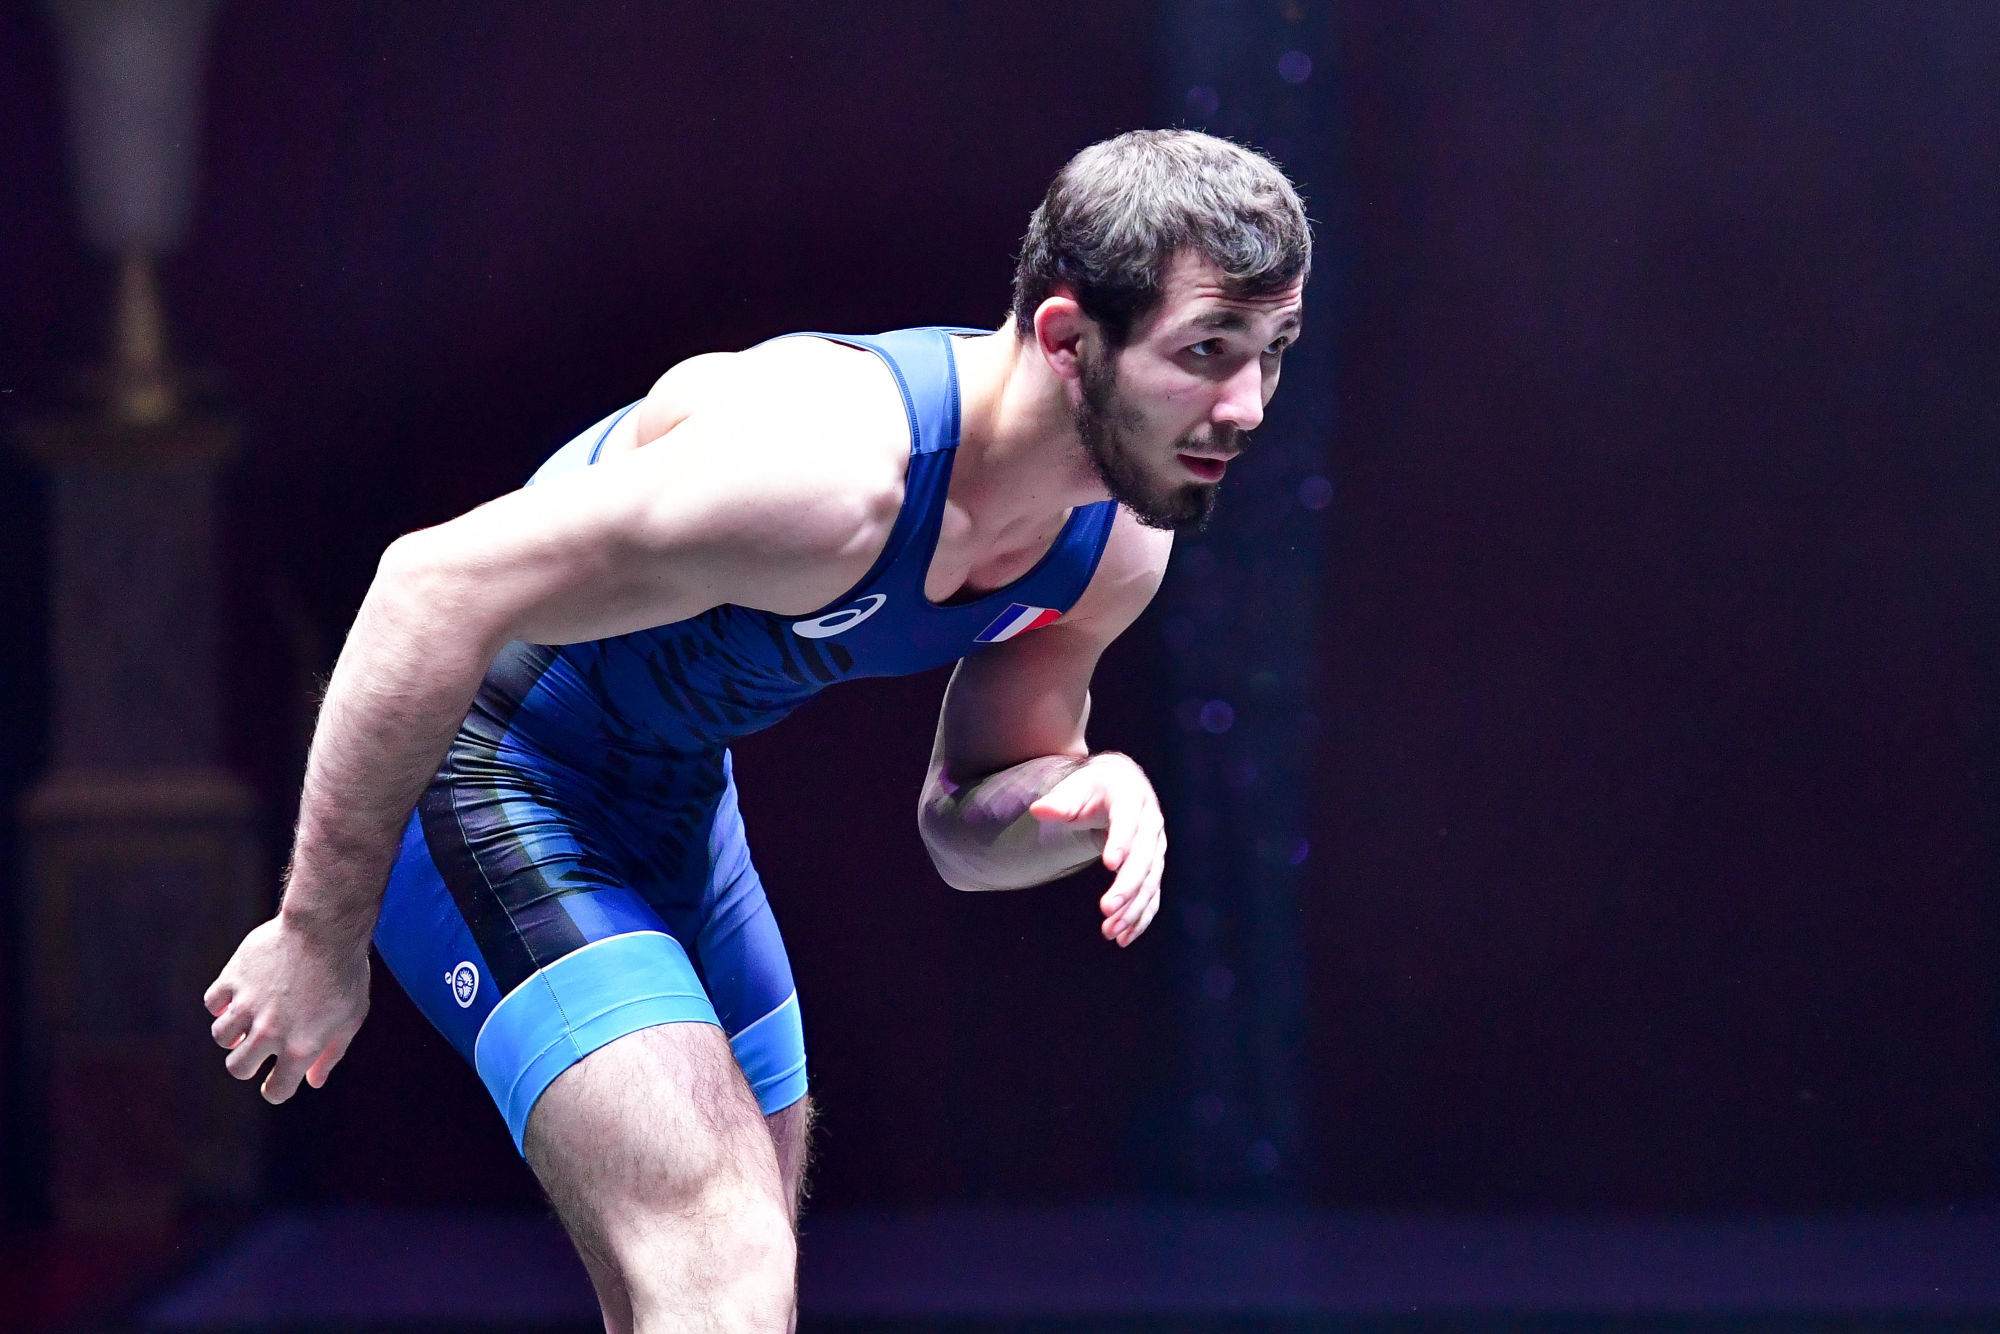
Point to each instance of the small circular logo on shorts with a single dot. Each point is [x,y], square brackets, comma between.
[464,983]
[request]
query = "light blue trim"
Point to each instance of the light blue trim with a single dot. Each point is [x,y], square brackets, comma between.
[772,1052]
[587,998]
[572,456]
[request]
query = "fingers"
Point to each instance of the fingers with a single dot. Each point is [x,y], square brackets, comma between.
[250,1052]
[1128,824]
[289,1069]
[1152,905]
[1128,913]
[230,1027]
[1081,796]
[284,1011]
[1117,796]
[1131,874]
[329,1058]
[251,1048]
[1135,818]
[1135,892]
[1134,839]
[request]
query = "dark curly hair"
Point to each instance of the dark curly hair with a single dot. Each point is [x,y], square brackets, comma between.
[1119,211]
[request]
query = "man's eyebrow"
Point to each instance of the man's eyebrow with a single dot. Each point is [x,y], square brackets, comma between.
[1221,318]
[1226,320]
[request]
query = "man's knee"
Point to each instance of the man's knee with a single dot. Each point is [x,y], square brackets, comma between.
[655,1156]
[757,1231]
[728,1250]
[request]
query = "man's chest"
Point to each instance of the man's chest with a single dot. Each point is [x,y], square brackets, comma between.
[968,564]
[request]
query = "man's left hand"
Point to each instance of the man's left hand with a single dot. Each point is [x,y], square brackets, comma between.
[1109,791]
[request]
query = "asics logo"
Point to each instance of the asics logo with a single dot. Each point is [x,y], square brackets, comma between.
[819,627]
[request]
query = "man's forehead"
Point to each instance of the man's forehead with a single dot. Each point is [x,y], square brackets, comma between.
[1194,296]
[1216,311]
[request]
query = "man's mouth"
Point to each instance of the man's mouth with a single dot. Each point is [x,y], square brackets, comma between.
[1207,469]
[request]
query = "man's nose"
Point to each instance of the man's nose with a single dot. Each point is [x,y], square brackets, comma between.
[1242,401]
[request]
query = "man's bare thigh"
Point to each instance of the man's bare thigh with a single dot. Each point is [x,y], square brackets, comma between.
[658,1118]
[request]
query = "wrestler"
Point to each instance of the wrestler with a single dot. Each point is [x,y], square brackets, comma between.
[526,737]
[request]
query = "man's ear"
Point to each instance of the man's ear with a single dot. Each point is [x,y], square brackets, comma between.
[1060,328]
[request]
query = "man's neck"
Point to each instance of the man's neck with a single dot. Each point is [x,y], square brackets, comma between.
[1019,458]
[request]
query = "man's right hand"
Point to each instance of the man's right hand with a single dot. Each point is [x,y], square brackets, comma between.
[288,995]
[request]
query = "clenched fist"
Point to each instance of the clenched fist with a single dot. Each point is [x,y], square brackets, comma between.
[288,997]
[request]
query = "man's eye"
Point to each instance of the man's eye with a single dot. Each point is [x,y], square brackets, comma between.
[1277,349]
[1207,347]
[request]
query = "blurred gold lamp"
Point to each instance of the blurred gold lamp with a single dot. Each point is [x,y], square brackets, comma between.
[133,71]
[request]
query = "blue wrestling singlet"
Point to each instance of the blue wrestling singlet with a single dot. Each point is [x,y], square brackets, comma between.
[577,869]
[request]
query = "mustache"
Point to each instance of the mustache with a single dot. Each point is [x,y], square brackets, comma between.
[1217,438]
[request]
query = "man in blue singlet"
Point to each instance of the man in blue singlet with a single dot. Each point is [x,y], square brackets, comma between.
[526,737]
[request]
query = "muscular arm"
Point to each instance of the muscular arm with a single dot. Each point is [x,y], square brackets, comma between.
[1014,796]
[659,535]
[757,508]
[974,816]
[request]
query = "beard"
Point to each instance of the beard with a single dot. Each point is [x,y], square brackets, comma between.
[1109,429]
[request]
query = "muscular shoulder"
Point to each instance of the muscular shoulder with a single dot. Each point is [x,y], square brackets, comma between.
[831,400]
[1127,576]
[805,442]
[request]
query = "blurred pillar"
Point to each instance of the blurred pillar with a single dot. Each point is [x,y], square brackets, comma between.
[1241,624]
[142,868]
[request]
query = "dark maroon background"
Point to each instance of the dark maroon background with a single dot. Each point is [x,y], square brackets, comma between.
[1654,852]
[1662,628]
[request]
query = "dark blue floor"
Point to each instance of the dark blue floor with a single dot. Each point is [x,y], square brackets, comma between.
[1151,1268]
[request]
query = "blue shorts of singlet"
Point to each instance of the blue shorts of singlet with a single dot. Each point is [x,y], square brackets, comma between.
[543,906]
[531,926]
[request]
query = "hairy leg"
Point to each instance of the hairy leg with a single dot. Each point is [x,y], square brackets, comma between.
[657,1160]
[791,1136]
[612,1299]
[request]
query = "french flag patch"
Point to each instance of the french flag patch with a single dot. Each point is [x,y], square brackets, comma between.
[1017,619]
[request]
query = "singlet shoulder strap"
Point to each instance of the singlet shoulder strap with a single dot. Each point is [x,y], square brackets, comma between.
[921,362]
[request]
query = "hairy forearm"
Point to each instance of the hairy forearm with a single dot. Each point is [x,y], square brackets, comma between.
[398,693]
[981,836]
